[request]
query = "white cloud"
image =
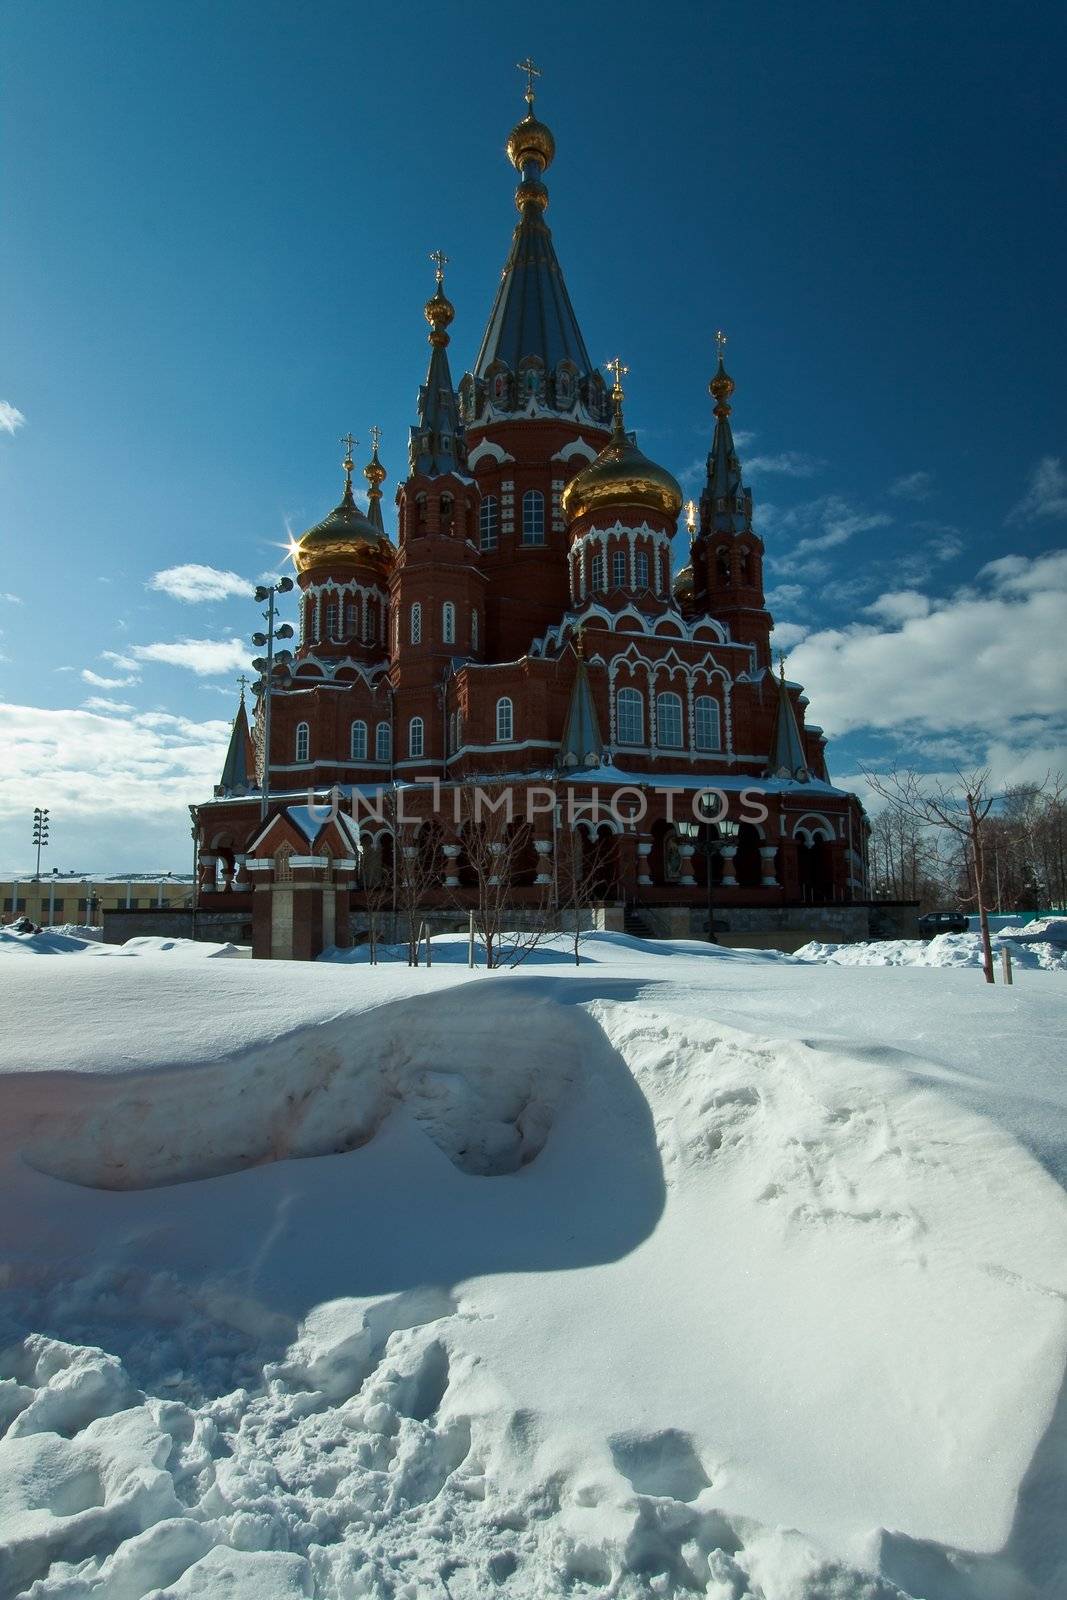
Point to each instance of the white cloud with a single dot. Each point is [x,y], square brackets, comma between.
[900,605]
[10,417]
[984,659]
[107,767]
[790,463]
[788,634]
[117,660]
[195,583]
[96,702]
[1046,494]
[100,682]
[914,486]
[205,657]
[12,599]
[824,524]
[785,594]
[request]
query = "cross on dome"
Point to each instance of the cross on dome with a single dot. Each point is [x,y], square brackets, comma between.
[532,71]
[349,441]
[440,261]
[616,367]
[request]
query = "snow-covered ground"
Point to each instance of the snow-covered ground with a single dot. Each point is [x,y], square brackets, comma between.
[685,1271]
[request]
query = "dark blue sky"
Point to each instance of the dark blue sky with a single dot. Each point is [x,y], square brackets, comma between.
[215,227]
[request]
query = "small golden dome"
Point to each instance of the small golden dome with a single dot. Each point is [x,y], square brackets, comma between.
[530,141]
[345,538]
[439,313]
[683,584]
[722,385]
[531,192]
[621,476]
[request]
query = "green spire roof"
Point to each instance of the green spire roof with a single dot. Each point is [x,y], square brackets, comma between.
[240,758]
[788,759]
[582,745]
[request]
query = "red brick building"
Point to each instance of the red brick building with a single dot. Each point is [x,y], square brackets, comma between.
[524,626]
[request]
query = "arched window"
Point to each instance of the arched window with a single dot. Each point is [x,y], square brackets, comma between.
[474,629]
[597,574]
[309,619]
[415,736]
[722,564]
[448,622]
[303,741]
[745,564]
[416,623]
[331,619]
[357,741]
[669,720]
[618,569]
[505,720]
[369,629]
[383,742]
[641,565]
[489,522]
[533,517]
[706,723]
[283,871]
[630,716]
[351,628]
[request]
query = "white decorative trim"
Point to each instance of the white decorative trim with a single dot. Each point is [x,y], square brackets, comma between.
[490,448]
[310,861]
[260,864]
[579,448]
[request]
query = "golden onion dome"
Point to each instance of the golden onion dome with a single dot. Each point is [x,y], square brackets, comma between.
[345,538]
[621,477]
[530,141]
[439,309]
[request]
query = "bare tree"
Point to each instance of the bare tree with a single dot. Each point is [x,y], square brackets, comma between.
[578,881]
[417,873]
[376,882]
[497,845]
[961,808]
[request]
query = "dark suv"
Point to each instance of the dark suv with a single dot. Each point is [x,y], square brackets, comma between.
[936,922]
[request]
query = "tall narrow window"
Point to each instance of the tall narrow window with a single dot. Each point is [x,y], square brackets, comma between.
[303,741]
[448,622]
[706,723]
[533,517]
[618,569]
[416,623]
[597,575]
[669,720]
[415,736]
[489,522]
[383,742]
[452,733]
[630,716]
[309,620]
[641,568]
[331,619]
[474,629]
[505,721]
[357,743]
[351,627]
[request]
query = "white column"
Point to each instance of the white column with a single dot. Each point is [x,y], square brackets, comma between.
[728,852]
[451,855]
[768,852]
[544,863]
[644,852]
[687,851]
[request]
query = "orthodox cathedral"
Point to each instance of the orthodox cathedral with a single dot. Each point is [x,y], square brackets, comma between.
[522,624]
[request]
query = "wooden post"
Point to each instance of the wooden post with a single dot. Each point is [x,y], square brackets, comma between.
[426,930]
[1005,962]
[470,942]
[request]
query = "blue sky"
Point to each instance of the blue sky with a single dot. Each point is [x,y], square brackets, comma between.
[216,222]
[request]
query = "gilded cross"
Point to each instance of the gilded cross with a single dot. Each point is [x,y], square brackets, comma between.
[720,340]
[618,369]
[531,72]
[375,438]
[440,261]
[243,681]
[349,443]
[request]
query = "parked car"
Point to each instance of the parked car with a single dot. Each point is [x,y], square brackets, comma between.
[935,922]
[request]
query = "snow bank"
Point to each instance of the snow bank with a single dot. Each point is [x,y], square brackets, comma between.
[59,942]
[600,1281]
[946,950]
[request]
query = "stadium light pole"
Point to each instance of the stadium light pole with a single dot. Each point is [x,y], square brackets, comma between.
[40,834]
[265,665]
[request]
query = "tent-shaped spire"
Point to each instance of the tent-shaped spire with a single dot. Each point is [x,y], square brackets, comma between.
[239,767]
[437,443]
[532,354]
[788,759]
[727,503]
[581,745]
[375,475]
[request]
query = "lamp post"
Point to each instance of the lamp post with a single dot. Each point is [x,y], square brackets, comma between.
[715,832]
[40,834]
[265,666]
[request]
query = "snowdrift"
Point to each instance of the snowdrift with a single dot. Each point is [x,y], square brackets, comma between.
[1041,950]
[677,1273]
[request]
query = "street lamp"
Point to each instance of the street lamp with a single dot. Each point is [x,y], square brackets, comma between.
[40,834]
[265,666]
[717,832]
